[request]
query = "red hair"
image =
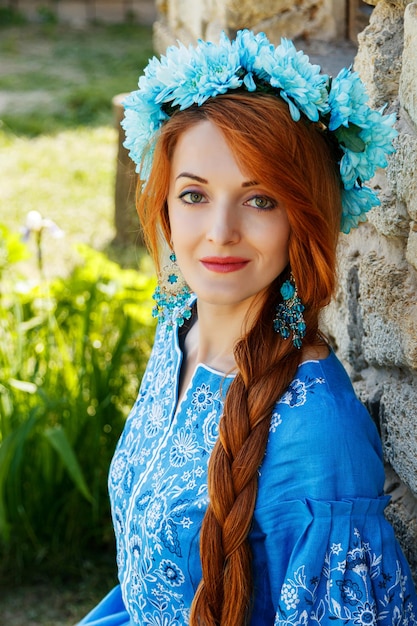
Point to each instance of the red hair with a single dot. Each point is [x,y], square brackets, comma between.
[294,161]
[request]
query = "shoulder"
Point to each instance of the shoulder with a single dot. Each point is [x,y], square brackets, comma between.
[323,442]
[321,395]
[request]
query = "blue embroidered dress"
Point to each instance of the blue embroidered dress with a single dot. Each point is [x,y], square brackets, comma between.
[322,549]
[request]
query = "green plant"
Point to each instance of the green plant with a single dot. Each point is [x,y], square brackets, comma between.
[47,15]
[72,353]
[10,16]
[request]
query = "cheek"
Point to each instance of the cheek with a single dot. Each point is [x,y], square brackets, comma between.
[187,226]
[174,222]
[275,238]
[181,234]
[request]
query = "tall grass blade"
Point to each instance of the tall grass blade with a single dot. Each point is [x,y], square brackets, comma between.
[59,441]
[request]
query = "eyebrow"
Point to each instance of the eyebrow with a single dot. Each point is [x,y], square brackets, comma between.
[193,177]
[204,181]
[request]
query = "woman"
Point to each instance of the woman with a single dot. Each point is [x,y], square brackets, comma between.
[247,486]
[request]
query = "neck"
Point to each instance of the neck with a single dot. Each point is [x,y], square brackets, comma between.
[218,328]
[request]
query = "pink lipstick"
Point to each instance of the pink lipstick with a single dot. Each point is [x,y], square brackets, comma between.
[224,264]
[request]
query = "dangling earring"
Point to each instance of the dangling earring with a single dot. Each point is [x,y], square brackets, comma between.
[289,314]
[172,295]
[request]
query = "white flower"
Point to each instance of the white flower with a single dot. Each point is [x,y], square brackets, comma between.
[35,223]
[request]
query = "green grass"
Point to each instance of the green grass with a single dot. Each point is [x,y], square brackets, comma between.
[69,179]
[58,141]
[54,78]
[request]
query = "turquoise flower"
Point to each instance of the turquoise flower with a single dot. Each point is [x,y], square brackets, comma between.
[365,137]
[361,166]
[350,166]
[301,84]
[249,46]
[347,100]
[376,136]
[356,202]
[217,70]
[141,123]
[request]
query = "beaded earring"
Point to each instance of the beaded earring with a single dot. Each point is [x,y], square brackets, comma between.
[172,295]
[289,314]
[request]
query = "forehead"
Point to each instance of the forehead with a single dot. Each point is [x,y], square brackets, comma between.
[203,150]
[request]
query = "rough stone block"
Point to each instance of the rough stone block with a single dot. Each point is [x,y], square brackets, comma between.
[398,420]
[310,23]
[388,310]
[408,79]
[409,325]
[241,12]
[162,36]
[187,16]
[161,6]
[402,173]
[411,253]
[283,18]
[343,320]
[402,513]
[391,218]
[382,341]
[379,56]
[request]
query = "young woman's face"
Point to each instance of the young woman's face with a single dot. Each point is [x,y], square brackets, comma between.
[230,235]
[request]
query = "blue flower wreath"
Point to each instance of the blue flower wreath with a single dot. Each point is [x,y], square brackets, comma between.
[187,76]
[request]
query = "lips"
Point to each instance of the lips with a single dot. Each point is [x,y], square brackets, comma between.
[225,264]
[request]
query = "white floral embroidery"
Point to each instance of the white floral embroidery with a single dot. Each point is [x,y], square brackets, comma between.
[296,394]
[186,522]
[184,448]
[118,467]
[336,548]
[276,420]
[349,597]
[289,595]
[202,398]
[211,429]
[155,420]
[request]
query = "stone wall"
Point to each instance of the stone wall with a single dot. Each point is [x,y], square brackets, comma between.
[374,319]
[186,21]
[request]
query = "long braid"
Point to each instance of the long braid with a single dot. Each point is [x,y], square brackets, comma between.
[224,596]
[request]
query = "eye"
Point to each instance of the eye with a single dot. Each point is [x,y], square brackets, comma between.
[191,197]
[262,203]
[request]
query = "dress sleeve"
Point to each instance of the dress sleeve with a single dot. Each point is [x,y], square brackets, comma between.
[109,612]
[323,550]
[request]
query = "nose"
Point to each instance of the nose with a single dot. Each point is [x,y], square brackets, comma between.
[223,227]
